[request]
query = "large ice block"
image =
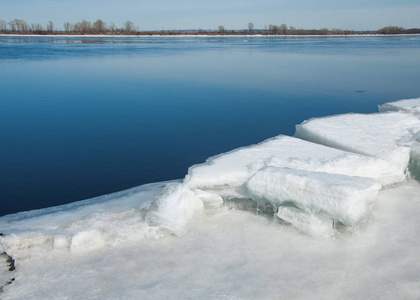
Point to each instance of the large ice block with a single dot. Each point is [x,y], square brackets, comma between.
[388,136]
[227,173]
[411,106]
[346,198]
[315,226]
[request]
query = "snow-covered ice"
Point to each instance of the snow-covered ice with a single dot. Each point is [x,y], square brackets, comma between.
[233,254]
[228,172]
[411,106]
[388,136]
[122,246]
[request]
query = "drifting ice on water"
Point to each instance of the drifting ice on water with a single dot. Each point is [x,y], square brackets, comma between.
[329,173]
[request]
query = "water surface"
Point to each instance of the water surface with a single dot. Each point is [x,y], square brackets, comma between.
[82,117]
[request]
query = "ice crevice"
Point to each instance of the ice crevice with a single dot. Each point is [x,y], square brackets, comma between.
[330,171]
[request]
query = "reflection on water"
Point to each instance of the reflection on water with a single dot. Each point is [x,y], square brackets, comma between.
[81,119]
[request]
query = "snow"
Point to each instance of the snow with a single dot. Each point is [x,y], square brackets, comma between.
[388,136]
[411,106]
[259,222]
[234,254]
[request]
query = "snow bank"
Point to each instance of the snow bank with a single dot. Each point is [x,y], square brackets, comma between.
[411,106]
[388,136]
[346,198]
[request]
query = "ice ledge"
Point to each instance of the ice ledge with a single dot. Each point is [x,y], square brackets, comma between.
[322,183]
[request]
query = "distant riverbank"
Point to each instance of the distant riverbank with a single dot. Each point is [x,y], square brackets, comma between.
[158,34]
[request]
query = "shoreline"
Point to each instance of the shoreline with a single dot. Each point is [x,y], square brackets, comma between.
[203,35]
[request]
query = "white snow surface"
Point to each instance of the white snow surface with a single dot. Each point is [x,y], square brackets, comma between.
[195,239]
[234,254]
[411,106]
[388,136]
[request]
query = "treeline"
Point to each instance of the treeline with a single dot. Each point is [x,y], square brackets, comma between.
[100,27]
[83,27]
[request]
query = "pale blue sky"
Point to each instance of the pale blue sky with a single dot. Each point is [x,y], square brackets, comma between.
[233,14]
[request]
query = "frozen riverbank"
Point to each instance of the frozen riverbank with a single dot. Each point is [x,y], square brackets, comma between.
[122,245]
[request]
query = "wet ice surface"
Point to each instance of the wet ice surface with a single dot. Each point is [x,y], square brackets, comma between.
[284,218]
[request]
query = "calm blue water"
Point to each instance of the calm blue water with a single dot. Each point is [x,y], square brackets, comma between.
[82,117]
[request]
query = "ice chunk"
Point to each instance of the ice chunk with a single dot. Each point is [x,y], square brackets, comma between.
[227,173]
[384,135]
[174,207]
[346,198]
[87,241]
[411,106]
[210,200]
[316,226]
[61,242]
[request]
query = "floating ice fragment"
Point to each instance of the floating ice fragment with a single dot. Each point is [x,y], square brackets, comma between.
[346,198]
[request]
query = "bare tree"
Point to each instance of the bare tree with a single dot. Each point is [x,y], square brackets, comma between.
[18,25]
[50,26]
[274,29]
[68,27]
[83,27]
[283,29]
[37,28]
[12,25]
[112,27]
[3,25]
[99,26]
[250,27]
[221,28]
[129,26]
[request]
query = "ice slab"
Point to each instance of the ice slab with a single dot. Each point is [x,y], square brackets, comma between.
[411,106]
[388,136]
[345,198]
[80,227]
[226,174]
[313,225]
